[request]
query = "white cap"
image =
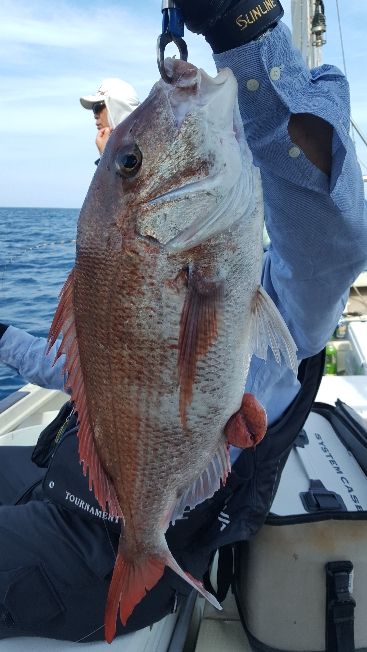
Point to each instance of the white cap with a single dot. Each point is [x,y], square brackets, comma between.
[119,96]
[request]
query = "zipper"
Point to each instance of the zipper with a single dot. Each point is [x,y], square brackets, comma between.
[63,427]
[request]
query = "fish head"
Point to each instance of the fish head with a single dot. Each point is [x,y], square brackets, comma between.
[178,170]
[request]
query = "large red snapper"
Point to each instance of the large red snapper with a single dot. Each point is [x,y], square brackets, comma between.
[161,315]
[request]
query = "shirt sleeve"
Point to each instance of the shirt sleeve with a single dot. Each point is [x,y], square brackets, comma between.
[317,225]
[27,354]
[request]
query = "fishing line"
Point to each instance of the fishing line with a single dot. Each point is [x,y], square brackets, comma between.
[110,541]
[343,56]
[361,163]
[114,555]
[24,252]
[39,245]
[89,634]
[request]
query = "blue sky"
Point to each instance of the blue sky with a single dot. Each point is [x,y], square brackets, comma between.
[53,52]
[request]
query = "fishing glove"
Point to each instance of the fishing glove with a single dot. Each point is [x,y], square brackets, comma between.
[227,24]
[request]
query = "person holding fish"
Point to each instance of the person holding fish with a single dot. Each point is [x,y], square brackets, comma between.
[171,312]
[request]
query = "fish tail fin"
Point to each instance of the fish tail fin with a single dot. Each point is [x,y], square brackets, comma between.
[132,579]
[196,584]
[130,582]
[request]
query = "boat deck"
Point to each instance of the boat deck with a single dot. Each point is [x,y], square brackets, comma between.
[222,630]
[203,629]
[199,628]
[155,639]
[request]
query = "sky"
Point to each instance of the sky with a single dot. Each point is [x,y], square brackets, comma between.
[52,52]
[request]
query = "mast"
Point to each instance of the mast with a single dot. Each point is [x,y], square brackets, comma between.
[308,32]
[308,29]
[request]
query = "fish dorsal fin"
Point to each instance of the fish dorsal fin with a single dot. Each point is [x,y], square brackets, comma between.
[206,484]
[198,330]
[270,329]
[64,322]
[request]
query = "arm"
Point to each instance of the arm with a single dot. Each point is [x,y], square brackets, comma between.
[27,354]
[297,125]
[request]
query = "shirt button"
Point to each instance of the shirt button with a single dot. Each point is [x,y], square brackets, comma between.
[294,152]
[275,73]
[252,85]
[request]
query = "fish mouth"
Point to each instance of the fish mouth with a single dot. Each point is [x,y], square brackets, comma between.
[192,88]
[229,184]
[202,185]
[210,182]
[186,77]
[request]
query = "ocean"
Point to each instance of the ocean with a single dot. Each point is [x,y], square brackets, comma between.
[37,251]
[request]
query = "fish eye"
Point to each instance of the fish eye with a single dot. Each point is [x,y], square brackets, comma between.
[128,161]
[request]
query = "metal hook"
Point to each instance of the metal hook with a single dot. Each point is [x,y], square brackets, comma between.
[172,32]
[163,41]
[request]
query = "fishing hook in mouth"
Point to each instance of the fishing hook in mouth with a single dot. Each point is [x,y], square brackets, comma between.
[163,41]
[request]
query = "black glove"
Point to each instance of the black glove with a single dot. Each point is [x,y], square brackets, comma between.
[3,328]
[226,24]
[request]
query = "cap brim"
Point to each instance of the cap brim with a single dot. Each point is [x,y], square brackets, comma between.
[88,100]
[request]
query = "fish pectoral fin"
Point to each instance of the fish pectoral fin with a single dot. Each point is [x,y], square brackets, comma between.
[198,330]
[130,582]
[206,484]
[64,322]
[247,427]
[270,330]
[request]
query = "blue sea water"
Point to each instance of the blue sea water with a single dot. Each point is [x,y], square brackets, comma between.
[37,251]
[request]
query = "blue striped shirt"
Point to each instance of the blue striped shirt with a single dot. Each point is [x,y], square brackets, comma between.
[317,225]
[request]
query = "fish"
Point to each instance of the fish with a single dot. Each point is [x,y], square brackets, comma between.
[161,315]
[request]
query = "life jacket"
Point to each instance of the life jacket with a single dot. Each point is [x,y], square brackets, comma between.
[234,513]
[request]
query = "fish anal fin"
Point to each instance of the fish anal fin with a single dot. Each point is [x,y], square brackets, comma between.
[64,323]
[198,330]
[247,426]
[130,582]
[206,484]
[270,330]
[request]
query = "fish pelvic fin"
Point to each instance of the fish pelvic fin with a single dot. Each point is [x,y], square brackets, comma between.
[130,582]
[64,322]
[270,330]
[196,584]
[247,427]
[198,330]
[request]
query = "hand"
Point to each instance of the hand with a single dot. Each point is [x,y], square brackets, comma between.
[201,15]
[102,138]
[227,24]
